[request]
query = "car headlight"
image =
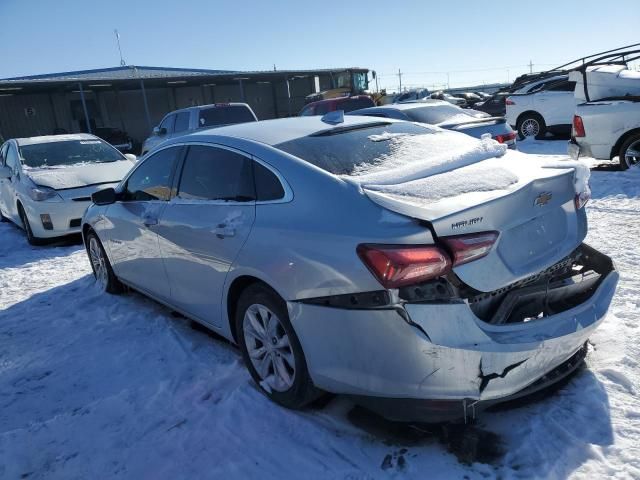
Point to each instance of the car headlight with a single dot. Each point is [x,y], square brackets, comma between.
[41,194]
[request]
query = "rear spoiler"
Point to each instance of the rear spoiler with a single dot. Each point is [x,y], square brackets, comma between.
[496,120]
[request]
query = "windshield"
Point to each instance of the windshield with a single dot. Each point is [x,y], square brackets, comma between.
[215,116]
[434,114]
[341,153]
[68,152]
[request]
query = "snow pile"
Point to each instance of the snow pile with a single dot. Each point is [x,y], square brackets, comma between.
[412,157]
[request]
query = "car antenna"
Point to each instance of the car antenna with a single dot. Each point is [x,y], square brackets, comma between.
[334,117]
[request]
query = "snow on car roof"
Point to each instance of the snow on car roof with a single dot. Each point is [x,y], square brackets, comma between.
[281,130]
[54,138]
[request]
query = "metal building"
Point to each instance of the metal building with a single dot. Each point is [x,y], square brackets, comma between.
[134,99]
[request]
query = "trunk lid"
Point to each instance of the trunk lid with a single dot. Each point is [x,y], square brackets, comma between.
[529,201]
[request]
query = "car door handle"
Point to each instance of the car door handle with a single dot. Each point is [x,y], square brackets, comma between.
[223,230]
[149,221]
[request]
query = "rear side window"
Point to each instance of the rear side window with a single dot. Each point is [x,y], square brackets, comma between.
[182,122]
[355,104]
[433,114]
[268,187]
[564,86]
[224,115]
[307,111]
[211,173]
[152,179]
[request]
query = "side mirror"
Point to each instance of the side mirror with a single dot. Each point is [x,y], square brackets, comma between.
[104,197]
[131,157]
[159,131]
[6,172]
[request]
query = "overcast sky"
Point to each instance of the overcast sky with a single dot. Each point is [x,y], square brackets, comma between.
[472,41]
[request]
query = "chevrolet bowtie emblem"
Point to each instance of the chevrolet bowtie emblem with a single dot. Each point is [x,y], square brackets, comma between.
[543,199]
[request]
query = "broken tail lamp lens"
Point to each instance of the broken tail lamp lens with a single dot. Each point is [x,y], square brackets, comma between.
[396,266]
[467,248]
[507,137]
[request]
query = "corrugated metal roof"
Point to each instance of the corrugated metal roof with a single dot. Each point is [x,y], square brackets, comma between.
[131,72]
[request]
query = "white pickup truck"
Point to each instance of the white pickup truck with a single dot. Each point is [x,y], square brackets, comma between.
[607,119]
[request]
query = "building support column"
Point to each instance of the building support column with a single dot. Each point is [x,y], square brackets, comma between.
[146,105]
[84,107]
[242,91]
[286,79]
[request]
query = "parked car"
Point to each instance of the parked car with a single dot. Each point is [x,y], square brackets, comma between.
[445,115]
[118,138]
[347,254]
[483,95]
[607,121]
[461,102]
[185,120]
[543,106]
[470,99]
[46,182]
[345,104]
[494,105]
[411,95]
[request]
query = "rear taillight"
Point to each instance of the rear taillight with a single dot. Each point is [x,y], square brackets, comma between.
[507,137]
[508,101]
[578,127]
[466,248]
[396,265]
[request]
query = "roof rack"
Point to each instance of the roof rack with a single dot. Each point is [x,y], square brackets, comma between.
[615,56]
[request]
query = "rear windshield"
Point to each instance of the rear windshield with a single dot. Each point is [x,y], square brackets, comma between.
[433,114]
[225,115]
[340,153]
[69,152]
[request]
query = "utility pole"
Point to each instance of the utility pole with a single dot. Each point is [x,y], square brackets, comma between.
[448,84]
[530,66]
[122,62]
[400,80]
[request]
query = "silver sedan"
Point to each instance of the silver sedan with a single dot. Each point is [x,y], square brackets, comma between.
[350,255]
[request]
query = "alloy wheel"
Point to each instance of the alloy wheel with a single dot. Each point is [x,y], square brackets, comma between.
[632,154]
[530,128]
[269,347]
[99,263]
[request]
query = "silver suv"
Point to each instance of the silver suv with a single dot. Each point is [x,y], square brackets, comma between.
[180,122]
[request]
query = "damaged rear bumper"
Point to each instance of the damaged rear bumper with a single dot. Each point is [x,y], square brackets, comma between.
[442,354]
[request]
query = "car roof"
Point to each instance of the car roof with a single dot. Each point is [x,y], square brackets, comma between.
[274,132]
[410,105]
[55,138]
[336,100]
[209,105]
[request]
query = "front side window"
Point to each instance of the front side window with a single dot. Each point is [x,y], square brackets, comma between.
[3,154]
[68,152]
[307,111]
[212,173]
[152,179]
[168,122]
[182,122]
[12,159]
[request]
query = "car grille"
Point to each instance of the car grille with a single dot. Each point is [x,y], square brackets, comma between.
[75,223]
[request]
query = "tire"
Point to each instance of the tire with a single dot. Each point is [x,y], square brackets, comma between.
[531,125]
[293,389]
[102,271]
[31,238]
[630,144]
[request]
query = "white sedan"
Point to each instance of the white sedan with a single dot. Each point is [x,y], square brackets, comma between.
[46,182]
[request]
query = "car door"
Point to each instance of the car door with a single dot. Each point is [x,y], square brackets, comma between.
[8,186]
[556,103]
[205,225]
[131,235]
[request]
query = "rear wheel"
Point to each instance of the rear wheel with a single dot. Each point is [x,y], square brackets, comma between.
[630,152]
[31,238]
[105,278]
[271,349]
[531,125]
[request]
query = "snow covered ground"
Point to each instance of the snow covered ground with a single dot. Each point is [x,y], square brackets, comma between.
[97,386]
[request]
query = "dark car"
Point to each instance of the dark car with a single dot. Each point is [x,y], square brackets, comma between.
[494,105]
[347,104]
[445,115]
